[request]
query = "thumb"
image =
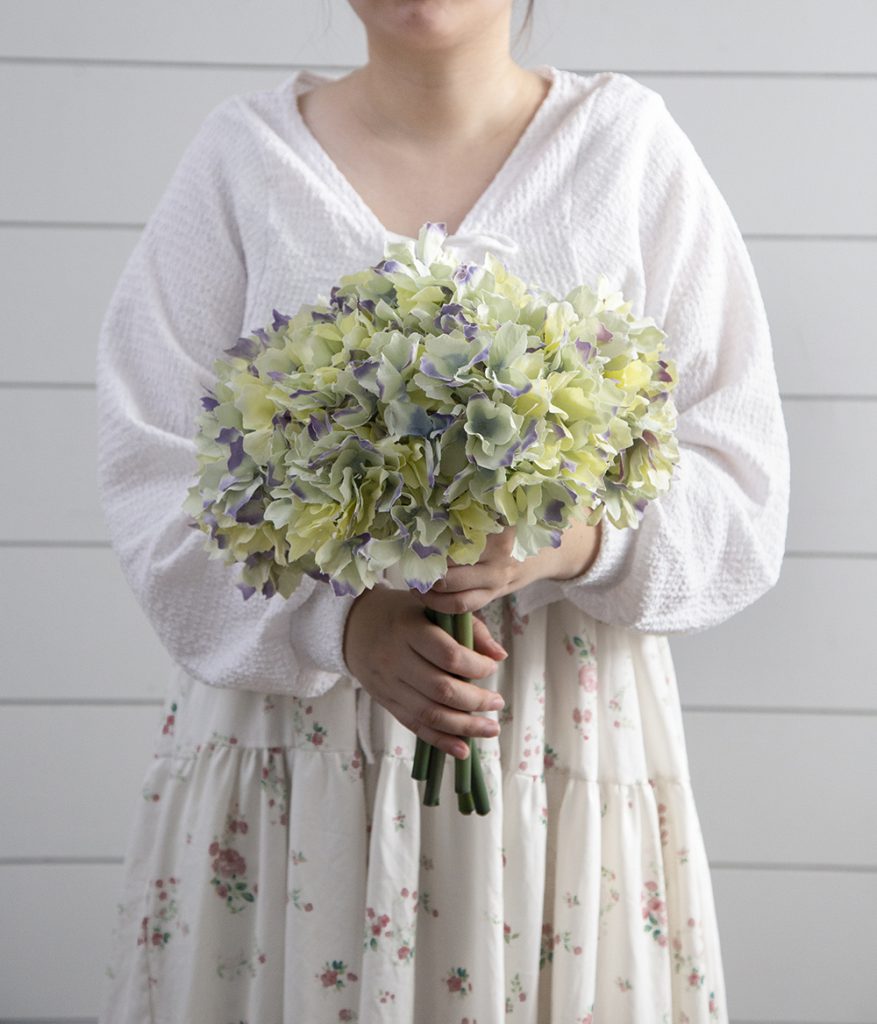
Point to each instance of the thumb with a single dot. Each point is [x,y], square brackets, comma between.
[484,642]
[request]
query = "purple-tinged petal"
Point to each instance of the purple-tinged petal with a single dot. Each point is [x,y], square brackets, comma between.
[320,317]
[530,436]
[246,590]
[424,550]
[244,348]
[280,320]
[387,266]
[209,403]
[553,511]
[585,350]
[318,426]
[227,435]
[237,454]
[604,334]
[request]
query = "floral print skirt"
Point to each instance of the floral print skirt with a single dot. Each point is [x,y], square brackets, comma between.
[281,869]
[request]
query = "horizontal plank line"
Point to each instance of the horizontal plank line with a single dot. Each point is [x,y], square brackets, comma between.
[700,709]
[107,225]
[104,544]
[43,385]
[839,869]
[73,544]
[787,397]
[11,862]
[805,236]
[75,225]
[87,385]
[135,62]
[73,702]
[849,555]
[69,1020]
[775,709]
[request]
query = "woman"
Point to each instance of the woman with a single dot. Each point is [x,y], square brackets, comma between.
[282,866]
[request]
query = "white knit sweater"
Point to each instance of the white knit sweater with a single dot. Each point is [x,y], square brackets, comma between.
[257,216]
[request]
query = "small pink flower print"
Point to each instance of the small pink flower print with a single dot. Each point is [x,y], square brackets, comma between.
[588,678]
[333,974]
[404,952]
[229,863]
[345,1015]
[168,728]
[577,950]
[309,907]
[653,912]
[317,735]
[458,981]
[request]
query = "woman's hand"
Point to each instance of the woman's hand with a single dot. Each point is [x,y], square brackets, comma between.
[408,665]
[466,588]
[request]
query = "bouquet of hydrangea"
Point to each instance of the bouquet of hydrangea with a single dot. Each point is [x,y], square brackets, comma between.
[429,403]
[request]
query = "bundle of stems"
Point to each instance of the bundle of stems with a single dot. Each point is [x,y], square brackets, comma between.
[429,761]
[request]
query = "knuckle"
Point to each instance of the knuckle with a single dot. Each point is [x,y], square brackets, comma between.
[445,691]
[430,716]
[454,660]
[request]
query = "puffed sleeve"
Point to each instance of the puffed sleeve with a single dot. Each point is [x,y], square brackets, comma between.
[178,304]
[714,543]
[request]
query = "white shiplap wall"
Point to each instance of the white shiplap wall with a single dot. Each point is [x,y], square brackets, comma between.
[780,703]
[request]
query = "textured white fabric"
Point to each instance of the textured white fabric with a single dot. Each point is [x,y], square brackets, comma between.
[257,216]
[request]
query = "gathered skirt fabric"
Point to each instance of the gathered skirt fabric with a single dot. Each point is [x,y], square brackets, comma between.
[275,875]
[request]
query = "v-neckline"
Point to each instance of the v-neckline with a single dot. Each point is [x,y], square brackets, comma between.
[304,78]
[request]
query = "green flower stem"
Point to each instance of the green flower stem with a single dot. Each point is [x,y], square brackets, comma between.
[462,625]
[434,777]
[465,802]
[421,749]
[479,789]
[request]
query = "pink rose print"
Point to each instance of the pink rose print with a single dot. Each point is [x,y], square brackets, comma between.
[458,981]
[334,974]
[654,912]
[229,866]
[588,678]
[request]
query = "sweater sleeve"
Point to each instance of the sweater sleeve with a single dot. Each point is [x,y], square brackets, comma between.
[178,304]
[714,542]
